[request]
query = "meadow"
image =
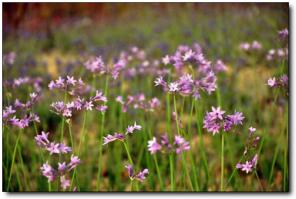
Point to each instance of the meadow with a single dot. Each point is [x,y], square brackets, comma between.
[152,97]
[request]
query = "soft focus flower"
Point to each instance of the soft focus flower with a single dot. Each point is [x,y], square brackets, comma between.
[173,87]
[64,182]
[111,138]
[130,129]
[141,176]
[181,144]
[283,34]
[153,146]
[74,162]
[271,82]
[48,172]
[95,65]
[216,120]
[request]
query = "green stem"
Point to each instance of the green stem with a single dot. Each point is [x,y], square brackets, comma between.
[172,172]
[71,137]
[128,154]
[101,136]
[13,158]
[79,146]
[222,162]
[259,182]
[63,119]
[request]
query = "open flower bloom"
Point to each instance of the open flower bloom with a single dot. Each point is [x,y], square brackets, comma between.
[215,120]
[141,176]
[249,165]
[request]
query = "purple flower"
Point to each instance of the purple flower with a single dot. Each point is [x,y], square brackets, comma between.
[130,129]
[254,160]
[237,118]
[8,111]
[95,65]
[42,140]
[130,170]
[283,34]
[112,138]
[141,176]
[159,81]
[174,87]
[182,144]
[99,97]
[271,82]
[284,80]
[220,66]
[252,130]
[217,113]
[64,182]
[153,146]
[53,148]
[166,60]
[88,105]
[62,167]
[256,45]
[215,120]
[64,149]
[74,162]
[102,108]
[48,172]
[71,80]
[247,167]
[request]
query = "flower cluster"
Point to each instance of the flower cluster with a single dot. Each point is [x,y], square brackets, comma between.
[63,168]
[247,47]
[179,145]
[53,148]
[10,113]
[78,104]
[280,53]
[283,34]
[282,81]
[70,84]
[9,58]
[140,176]
[97,65]
[205,79]
[138,101]
[121,137]
[249,165]
[15,83]
[215,120]
[186,86]
[252,143]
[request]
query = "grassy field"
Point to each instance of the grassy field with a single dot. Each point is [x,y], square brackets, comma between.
[158,30]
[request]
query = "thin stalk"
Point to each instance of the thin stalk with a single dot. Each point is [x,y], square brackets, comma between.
[101,136]
[71,137]
[259,182]
[172,172]
[63,119]
[176,113]
[178,130]
[79,146]
[201,145]
[130,160]
[158,172]
[222,163]
[13,158]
